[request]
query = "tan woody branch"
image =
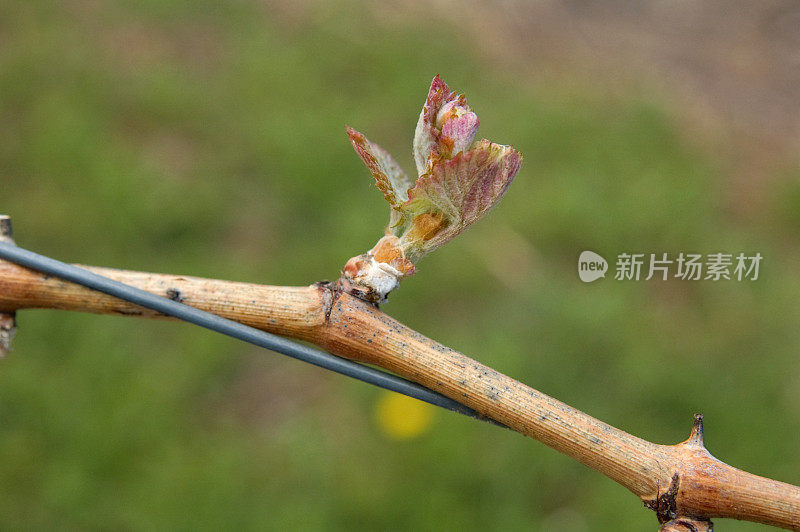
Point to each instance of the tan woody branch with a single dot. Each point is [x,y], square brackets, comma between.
[682,483]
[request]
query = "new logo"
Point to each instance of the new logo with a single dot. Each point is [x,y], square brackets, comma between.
[591,266]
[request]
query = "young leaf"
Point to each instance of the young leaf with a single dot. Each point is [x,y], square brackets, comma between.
[456,193]
[389,177]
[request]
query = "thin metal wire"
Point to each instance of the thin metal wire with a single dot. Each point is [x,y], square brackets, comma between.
[233,329]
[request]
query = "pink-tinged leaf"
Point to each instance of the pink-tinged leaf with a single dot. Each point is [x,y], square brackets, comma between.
[426,135]
[389,177]
[438,95]
[455,193]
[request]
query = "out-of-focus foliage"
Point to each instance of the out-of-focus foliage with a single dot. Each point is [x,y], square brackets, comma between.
[208,139]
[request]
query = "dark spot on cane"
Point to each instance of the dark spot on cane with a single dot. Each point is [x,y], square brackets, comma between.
[175,295]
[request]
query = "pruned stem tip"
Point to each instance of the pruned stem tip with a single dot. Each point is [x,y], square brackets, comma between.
[8,322]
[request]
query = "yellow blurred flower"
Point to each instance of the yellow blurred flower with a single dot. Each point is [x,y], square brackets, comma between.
[402,417]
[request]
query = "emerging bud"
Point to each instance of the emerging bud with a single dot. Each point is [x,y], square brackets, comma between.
[459,181]
[458,125]
[446,126]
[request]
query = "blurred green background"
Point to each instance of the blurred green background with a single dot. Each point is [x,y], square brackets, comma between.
[207,139]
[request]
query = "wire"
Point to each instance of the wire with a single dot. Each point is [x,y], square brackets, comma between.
[233,329]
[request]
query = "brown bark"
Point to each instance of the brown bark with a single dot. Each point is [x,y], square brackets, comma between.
[682,483]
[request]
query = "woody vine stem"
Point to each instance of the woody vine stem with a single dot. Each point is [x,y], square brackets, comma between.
[458,181]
